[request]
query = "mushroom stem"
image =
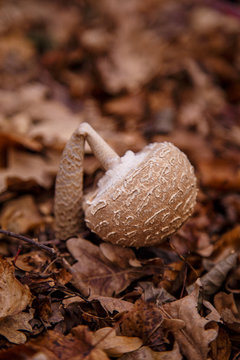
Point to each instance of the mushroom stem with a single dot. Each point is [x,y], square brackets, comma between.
[103,152]
[69,182]
[69,188]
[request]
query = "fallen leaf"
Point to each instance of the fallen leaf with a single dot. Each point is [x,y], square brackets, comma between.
[133,59]
[145,353]
[20,215]
[194,338]
[14,297]
[53,345]
[145,321]
[33,261]
[118,255]
[111,304]
[213,280]
[227,308]
[221,346]
[158,295]
[11,327]
[232,282]
[227,243]
[130,105]
[26,169]
[172,276]
[52,117]
[95,274]
[221,174]
[114,345]
[9,138]
[19,51]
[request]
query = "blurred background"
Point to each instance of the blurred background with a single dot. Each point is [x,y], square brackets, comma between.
[138,71]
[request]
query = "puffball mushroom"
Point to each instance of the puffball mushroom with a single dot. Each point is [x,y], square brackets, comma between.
[140,200]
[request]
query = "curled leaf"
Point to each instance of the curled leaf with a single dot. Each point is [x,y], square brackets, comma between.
[213,280]
[107,340]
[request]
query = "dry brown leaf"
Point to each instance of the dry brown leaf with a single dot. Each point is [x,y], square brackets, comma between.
[194,338]
[227,243]
[111,304]
[55,122]
[145,321]
[97,275]
[220,174]
[131,105]
[145,353]
[158,295]
[232,283]
[172,276]
[17,101]
[9,138]
[17,50]
[53,345]
[118,255]
[33,261]
[26,169]
[226,306]
[20,215]
[11,327]
[213,280]
[14,297]
[114,345]
[221,346]
[133,60]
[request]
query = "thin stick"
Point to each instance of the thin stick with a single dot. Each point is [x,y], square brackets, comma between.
[183,258]
[30,241]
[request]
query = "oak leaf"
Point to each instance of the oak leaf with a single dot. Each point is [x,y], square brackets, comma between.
[14,297]
[114,345]
[11,327]
[194,338]
[96,274]
[25,170]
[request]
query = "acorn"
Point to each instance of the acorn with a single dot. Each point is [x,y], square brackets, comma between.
[140,200]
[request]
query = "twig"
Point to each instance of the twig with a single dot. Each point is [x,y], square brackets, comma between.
[183,258]
[30,241]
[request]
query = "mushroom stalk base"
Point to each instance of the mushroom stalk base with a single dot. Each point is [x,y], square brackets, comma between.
[69,182]
[69,189]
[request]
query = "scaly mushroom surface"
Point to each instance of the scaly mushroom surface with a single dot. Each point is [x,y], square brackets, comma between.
[141,199]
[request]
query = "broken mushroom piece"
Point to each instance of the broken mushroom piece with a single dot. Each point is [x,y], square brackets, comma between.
[141,199]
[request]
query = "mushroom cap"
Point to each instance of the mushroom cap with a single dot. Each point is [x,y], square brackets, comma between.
[144,198]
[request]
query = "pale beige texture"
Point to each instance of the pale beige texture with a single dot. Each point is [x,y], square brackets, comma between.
[69,188]
[149,204]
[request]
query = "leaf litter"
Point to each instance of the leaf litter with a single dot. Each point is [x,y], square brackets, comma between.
[138,72]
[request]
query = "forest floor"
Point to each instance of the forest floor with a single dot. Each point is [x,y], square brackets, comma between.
[139,72]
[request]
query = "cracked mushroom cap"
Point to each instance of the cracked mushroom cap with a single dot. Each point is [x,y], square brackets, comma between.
[144,198]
